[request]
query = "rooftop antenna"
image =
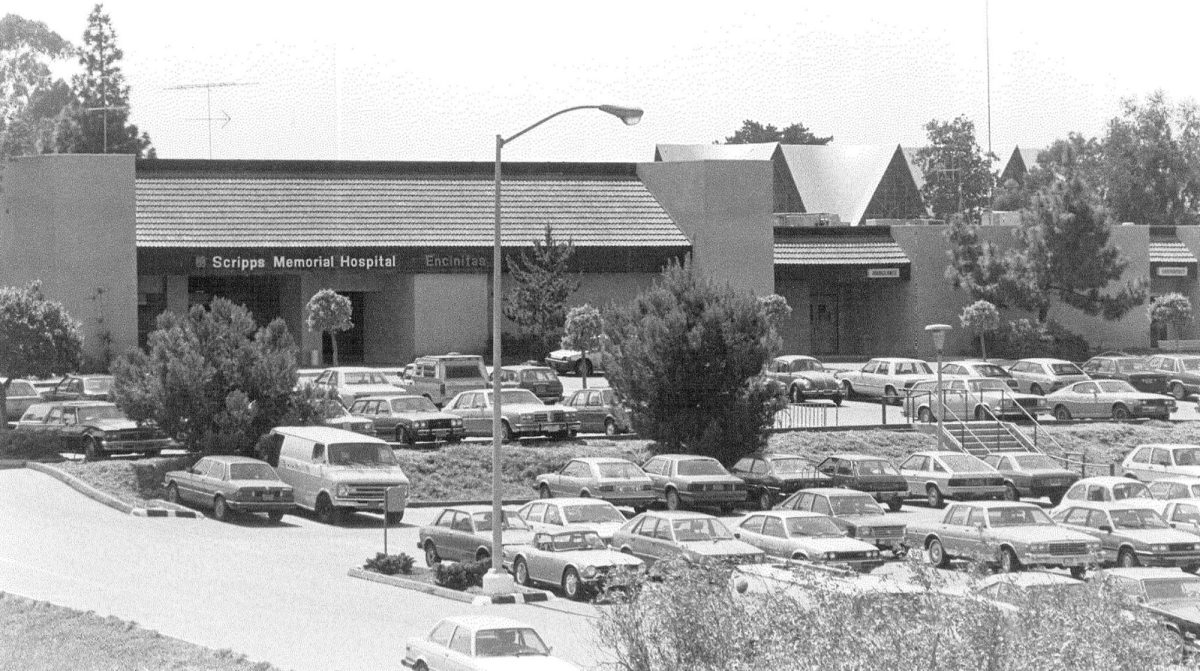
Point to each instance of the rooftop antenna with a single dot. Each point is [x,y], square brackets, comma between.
[208,117]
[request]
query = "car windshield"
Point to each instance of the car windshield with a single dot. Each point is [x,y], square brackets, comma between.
[577,540]
[1066,369]
[97,385]
[251,472]
[1018,517]
[876,467]
[1131,365]
[701,467]
[802,365]
[1035,461]
[1172,588]
[483,521]
[413,404]
[519,396]
[364,378]
[1137,518]
[854,505]
[512,642]
[1188,456]
[539,375]
[361,454]
[1116,387]
[990,384]
[790,466]
[991,370]
[1131,490]
[618,470]
[963,462]
[812,526]
[1190,363]
[699,529]
[99,413]
[594,513]
[333,410]
[461,370]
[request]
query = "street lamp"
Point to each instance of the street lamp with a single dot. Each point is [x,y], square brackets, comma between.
[497,581]
[938,331]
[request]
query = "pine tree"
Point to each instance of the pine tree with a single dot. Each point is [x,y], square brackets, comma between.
[537,303]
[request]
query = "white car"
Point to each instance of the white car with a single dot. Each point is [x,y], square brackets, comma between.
[805,536]
[481,643]
[552,515]
[1104,488]
[1175,487]
[978,368]
[352,383]
[1151,462]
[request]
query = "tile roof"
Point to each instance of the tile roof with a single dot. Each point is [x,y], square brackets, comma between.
[838,251]
[241,209]
[1170,251]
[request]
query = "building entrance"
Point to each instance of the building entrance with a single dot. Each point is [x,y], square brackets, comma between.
[823,318]
[350,342]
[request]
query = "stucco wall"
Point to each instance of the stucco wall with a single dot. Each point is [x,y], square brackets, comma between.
[68,220]
[451,313]
[725,210]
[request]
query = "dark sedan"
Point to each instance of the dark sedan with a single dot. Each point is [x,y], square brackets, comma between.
[82,388]
[1033,475]
[1132,369]
[1184,371]
[770,478]
[869,474]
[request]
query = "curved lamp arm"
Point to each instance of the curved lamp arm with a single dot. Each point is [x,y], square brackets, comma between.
[629,115]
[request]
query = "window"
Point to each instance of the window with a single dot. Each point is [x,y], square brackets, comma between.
[647,527]
[1142,456]
[843,468]
[1087,388]
[870,367]
[663,531]
[821,505]
[1097,493]
[759,467]
[975,518]
[803,502]
[595,399]
[553,516]
[55,416]
[743,465]
[608,397]
[534,511]
[1186,512]
[754,524]
[1160,490]
[216,470]
[915,463]
[1160,457]
[462,522]
[461,641]
[1076,492]
[1076,516]
[653,466]
[773,526]
[1097,519]
[957,515]
[69,417]
[1019,367]
[441,634]
[936,466]
[577,469]
[445,520]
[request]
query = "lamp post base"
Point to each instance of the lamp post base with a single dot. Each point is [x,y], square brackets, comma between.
[498,582]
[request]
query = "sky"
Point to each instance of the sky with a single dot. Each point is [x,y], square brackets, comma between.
[403,80]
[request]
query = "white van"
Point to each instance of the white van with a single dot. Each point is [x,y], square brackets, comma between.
[334,472]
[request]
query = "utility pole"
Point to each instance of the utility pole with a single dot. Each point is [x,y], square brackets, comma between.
[208,117]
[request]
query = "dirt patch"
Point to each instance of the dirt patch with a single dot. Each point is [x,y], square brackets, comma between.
[133,482]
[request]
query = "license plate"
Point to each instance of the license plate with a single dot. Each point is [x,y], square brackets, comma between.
[441,433]
[552,427]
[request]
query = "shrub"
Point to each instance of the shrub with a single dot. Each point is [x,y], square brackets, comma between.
[1025,338]
[31,446]
[390,564]
[459,576]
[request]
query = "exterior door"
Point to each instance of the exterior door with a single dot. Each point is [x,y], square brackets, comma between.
[823,322]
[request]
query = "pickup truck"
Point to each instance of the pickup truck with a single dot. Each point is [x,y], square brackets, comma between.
[887,378]
[1010,535]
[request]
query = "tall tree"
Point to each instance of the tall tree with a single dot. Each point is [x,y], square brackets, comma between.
[37,338]
[958,175]
[753,132]
[329,312]
[30,96]
[99,120]
[542,284]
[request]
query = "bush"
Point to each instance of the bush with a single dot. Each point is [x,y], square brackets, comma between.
[459,576]
[390,564]
[1024,338]
[31,446]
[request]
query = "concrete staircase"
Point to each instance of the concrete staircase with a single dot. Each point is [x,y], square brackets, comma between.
[981,438]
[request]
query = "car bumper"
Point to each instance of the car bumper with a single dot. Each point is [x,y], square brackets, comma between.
[1048,490]
[1176,560]
[429,435]
[895,544]
[971,493]
[628,498]
[135,445]
[885,496]
[732,496]
[545,428]
[560,365]
[365,505]
[1064,561]
[261,506]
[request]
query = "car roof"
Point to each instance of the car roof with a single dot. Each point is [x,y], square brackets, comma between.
[997,505]
[526,366]
[685,457]
[353,369]
[1149,504]
[326,434]
[836,491]
[386,397]
[449,356]
[79,404]
[852,456]
[787,513]
[796,357]
[1149,573]
[1043,360]
[569,528]
[1105,480]
[677,514]
[472,508]
[897,358]
[1180,479]
[233,459]
[573,500]
[478,622]
[88,376]
[602,460]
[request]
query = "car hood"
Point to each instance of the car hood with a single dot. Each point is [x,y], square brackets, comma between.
[1183,609]
[1041,534]
[598,558]
[359,390]
[511,536]
[708,479]
[722,548]
[523,663]
[426,415]
[112,424]
[346,421]
[818,376]
[366,474]
[1050,473]
[1157,536]
[821,544]
[276,484]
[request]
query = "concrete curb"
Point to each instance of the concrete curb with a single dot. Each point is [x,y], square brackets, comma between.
[467,502]
[108,499]
[11,463]
[524,596]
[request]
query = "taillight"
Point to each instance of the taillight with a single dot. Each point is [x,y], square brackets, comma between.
[646,488]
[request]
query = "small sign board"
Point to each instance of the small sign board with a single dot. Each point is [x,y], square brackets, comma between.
[882,273]
[395,499]
[1172,271]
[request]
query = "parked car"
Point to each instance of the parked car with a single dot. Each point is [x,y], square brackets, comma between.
[978,398]
[689,480]
[1175,487]
[874,475]
[937,476]
[1114,399]
[1132,533]
[1182,514]
[348,383]
[804,378]
[599,411]
[697,537]
[1009,591]
[1005,534]
[978,368]
[887,378]
[443,376]
[770,478]
[618,481]
[464,534]
[805,536]
[20,395]
[573,558]
[94,428]
[856,513]
[81,388]
[1104,488]
[1131,369]
[228,485]
[335,472]
[572,361]
[1183,370]
[335,415]
[1042,376]
[551,515]
[1150,462]
[522,414]
[1031,474]
[481,643]
[305,377]
[409,418]
[540,380]
[1168,594]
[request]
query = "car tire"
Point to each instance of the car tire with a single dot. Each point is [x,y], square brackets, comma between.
[837,400]
[795,394]
[420,666]
[925,416]
[1008,561]
[937,554]
[894,504]
[544,492]
[933,496]
[328,513]
[521,572]
[1127,558]
[1120,413]
[572,586]
[91,449]
[583,367]
[1078,572]
[982,414]
[1178,391]
[220,508]
[891,396]
[1036,389]
[275,516]
[507,434]
[673,502]
[847,389]
[610,427]
[1061,413]
[1011,493]
[482,555]
[404,436]
[173,493]
[765,500]
[431,554]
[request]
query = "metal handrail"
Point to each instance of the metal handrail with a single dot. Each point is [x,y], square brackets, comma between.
[963,428]
[1036,424]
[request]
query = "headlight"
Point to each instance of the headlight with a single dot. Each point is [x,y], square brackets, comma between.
[828,556]
[1158,548]
[873,554]
[526,418]
[862,531]
[420,424]
[456,422]
[588,572]
[343,490]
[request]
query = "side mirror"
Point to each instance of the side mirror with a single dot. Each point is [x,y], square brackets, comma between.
[737,534]
[1105,528]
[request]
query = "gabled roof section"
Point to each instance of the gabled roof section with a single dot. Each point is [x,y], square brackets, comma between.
[1016,167]
[207,204]
[839,178]
[761,151]
[863,246]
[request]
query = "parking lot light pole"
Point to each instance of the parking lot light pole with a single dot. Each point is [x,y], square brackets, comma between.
[938,331]
[497,581]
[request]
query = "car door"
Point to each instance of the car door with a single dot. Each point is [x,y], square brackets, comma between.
[643,541]
[750,530]
[657,469]
[951,529]
[459,655]
[532,513]
[72,430]
[462,538]
[541,560]
[464,407]
[774,537]
[1160,464]
[578,400]
[1138,463]
[1085,400]
[914,469]
[876,378]
[1184,516]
